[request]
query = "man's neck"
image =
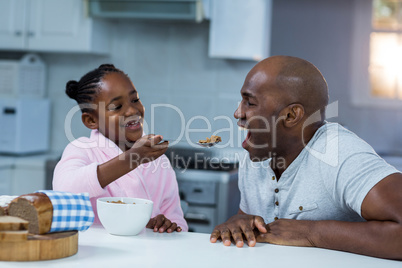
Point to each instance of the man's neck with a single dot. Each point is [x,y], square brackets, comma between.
[282,160]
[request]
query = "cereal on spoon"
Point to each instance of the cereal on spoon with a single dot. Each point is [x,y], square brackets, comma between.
[213,139]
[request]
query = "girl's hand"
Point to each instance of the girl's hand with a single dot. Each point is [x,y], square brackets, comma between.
[161,223]
[144,150]
[147,149]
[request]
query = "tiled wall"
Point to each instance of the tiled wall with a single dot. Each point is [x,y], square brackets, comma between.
[169,65]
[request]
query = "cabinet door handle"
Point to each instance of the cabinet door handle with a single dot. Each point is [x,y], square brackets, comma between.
[9,110]
[31,34]
[18,33]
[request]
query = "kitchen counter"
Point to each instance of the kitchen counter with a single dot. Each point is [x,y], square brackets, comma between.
[97,248]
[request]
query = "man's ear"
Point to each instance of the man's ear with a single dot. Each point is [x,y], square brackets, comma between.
[89,120]
[293,114]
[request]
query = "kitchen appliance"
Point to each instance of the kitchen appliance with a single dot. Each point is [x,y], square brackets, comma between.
[183,10]
[23,78]
[208,182]
[24,125]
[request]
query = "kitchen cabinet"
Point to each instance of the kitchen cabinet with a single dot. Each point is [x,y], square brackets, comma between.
[240,29]
[12,22]
[26,174]
[6,169]
[51,26]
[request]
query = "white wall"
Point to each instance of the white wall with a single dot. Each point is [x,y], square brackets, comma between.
[321,32]
[168,63]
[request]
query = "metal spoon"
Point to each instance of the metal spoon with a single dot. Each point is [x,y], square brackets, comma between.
[162,141]
[206,145]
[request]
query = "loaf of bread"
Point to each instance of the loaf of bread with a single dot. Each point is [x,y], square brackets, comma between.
[11,223]
[3,210]
[13,229]
[4,201]
[36,208]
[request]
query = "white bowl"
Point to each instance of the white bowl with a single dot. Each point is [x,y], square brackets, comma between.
[124,219]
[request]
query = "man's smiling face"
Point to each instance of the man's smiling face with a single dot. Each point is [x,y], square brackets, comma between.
[259,112]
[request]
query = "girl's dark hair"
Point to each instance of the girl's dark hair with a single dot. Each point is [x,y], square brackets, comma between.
[84,91]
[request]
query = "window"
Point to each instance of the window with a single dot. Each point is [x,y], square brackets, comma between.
[385,67]
[377,53]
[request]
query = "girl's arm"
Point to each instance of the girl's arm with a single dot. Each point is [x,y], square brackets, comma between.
[77,173]
[143,151]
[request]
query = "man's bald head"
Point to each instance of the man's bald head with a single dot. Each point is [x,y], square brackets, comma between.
[283,104]
[299,80]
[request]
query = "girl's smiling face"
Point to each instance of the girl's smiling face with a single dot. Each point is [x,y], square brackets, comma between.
[119,111]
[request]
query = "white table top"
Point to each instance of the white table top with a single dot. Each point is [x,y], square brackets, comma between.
[97,248]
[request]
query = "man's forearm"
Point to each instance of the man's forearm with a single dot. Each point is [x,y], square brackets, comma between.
[374,238]
[381,239]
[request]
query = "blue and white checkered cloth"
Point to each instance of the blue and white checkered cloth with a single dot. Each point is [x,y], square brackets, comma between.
[70,211]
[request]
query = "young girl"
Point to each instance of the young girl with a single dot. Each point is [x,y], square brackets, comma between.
[117,159]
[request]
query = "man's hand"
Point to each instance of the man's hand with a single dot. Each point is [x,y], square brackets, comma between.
[161,224]
[289,233]
[236,227]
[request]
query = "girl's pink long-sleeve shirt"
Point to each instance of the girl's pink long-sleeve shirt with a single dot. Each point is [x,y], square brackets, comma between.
[77,172]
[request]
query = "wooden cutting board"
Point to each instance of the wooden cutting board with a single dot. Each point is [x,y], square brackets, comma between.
[41,247]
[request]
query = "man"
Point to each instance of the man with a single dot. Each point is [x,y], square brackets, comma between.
[314,183]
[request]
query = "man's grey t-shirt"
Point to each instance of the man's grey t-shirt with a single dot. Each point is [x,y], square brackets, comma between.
[327,181]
